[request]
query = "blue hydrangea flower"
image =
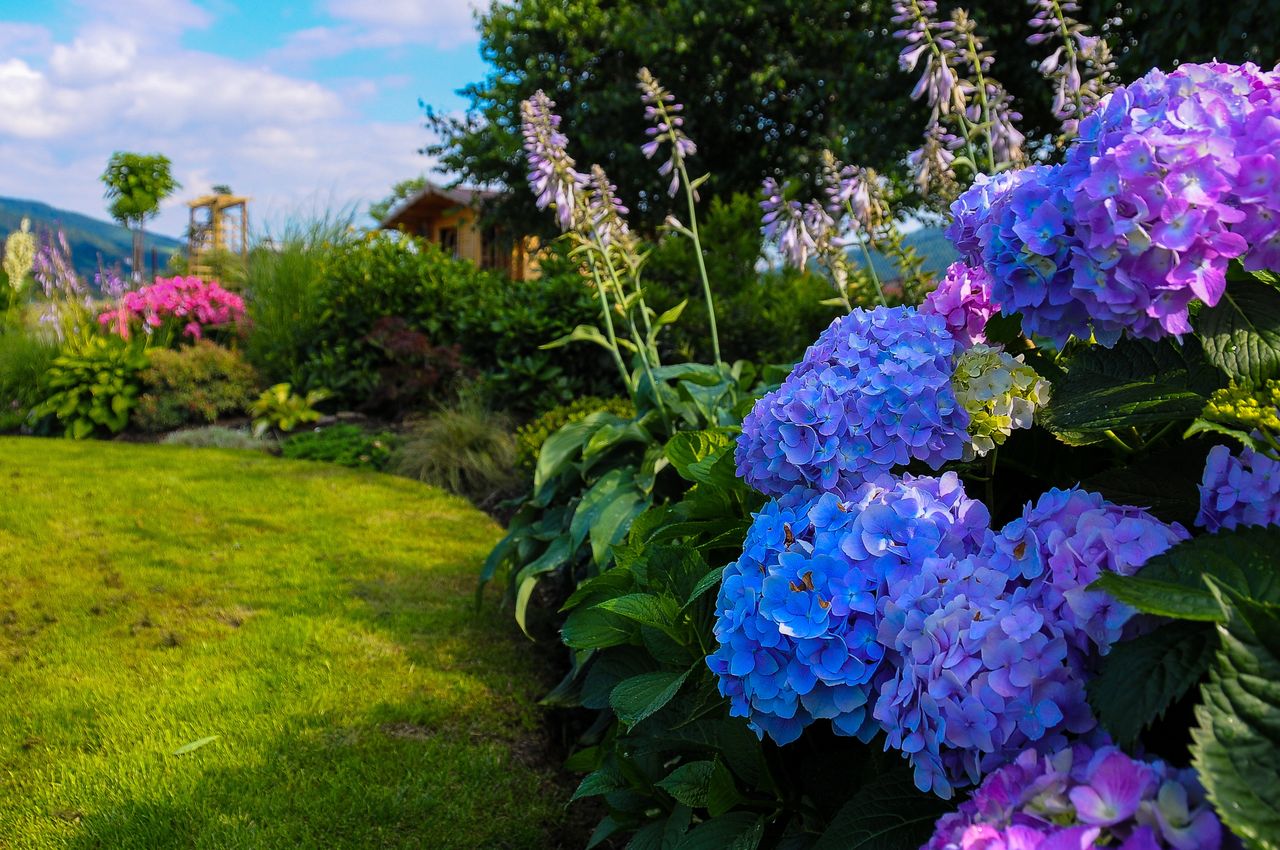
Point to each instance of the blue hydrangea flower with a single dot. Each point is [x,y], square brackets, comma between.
[872,394]
[796,617]
[988,653]
[1236,491]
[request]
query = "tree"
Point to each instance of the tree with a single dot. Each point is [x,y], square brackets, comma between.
[136,184]
[766,86]
[399,192]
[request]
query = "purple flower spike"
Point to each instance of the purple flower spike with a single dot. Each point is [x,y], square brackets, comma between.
[552,177]
[661,108]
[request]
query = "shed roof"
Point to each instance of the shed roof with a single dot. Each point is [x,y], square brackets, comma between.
[460,196]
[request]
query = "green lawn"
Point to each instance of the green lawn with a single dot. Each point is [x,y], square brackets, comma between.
[319,621]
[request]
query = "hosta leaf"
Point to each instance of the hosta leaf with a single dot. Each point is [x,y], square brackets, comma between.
[889,813]
[1142,677]
[1241,332]
[605,512]
[1236,742]
[1136,383]
[565,446]
[1172,584]
[688,450]
[640,696]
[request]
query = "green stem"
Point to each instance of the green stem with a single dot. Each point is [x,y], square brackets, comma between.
[613,339]
[866,255]
[976,62]
[697,250]
[940,56]
[1119,443]
[642,346]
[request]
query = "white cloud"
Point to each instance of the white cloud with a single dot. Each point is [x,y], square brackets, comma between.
[283,140]
[444,24]
[19,39]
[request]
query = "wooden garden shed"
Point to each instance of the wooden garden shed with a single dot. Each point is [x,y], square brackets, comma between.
[451,219]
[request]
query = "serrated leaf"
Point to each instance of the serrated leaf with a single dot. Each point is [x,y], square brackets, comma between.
[602,781]
[688,449]
[1136,383]
[591,628]
[1141,678]
[734,831]
[889,813]
[1241,333]
[1236,742]
[1164,483]
[645,608]
[1172,584]
[688,783]
[640,696]
[707,582]
[722,792]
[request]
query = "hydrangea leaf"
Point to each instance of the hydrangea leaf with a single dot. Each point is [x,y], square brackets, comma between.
[610,668]
[1136,383]
[1142,677]
[640,696]
[889,813]
[1236,743]
[1164,483]
[591,628]
[602,781]
[689,782]
[1241,332]
[734,831]
[1173,584]
[647,609]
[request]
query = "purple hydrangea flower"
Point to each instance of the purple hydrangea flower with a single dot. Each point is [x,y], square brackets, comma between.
[872,394]
[988,653]
[963,300]
[971,214]
[796,614]
[1239,490]
[1080,798]
[1170,179]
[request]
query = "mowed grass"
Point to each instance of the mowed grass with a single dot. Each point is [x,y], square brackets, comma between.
[318,621]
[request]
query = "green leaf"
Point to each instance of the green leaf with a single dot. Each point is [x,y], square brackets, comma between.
[722,792]
[734,831]
[1136,383]
[1172,584]
[605,512]
[195,745]
[1236,742]
[690,451]
[607,826]
[1241,333]
[582,333]
[603,781]
[887,814]
[591,628]
[671,315]
[1165,483]
[640,696]
[648,609]
[688,783]
[1141,678]
[562,447]
[708,581]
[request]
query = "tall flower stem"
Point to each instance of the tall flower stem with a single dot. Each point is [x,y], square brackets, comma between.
[976,61]
[702,265]
[866,256]
[607,313]
[940,56]
[643,348]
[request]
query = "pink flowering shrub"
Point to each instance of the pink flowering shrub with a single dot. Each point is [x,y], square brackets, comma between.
[190,303]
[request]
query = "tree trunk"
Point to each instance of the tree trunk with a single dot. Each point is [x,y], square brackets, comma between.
[137,253]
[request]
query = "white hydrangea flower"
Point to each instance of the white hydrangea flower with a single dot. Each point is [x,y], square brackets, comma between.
[1001,393]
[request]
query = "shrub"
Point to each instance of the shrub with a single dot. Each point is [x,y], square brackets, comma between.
[414,370]
[175,307]
[93,387]
[345,445]
[24,359]
[284,293]
[199,384]
[281,408]
[465,449]
[216,437]
[498,324]
[531,435]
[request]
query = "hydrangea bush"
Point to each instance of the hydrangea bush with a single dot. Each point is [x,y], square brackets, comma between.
[992,544]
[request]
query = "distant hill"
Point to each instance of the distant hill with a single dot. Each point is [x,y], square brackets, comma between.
[89,238]
[929,242]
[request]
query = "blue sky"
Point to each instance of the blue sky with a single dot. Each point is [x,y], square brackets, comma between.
[297,104]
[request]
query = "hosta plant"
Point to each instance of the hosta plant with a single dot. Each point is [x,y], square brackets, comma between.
[91,389]
[279,407]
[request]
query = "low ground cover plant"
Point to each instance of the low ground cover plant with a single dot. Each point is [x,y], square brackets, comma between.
[281,409]
[465,448]
[344,444]
[92,388]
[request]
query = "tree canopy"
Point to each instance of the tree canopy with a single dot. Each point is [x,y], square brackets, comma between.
[136,184]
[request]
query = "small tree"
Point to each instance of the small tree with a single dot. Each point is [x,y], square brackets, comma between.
[136,184]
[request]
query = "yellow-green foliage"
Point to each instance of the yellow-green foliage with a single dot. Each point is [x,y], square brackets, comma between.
[319,621]
[281,408]
[1246,408]
[194,385]
[531,436]
[19,255]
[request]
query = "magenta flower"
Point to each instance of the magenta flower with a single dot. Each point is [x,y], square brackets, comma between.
[1114,789]
[963,300]
[194,304]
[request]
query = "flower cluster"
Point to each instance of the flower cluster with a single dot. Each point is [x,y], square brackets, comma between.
[1000,392]
[605,212]
[1247,409]
[796,614]
[1082,797]
[552,177]
[873,393]
[661,108]
[189,301]
[1080,67]
[1170,179]
[963,300]
[1236,491]
[988,653]
[19,255]
[783,224]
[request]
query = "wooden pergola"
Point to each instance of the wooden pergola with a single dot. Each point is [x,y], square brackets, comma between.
[219,224]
